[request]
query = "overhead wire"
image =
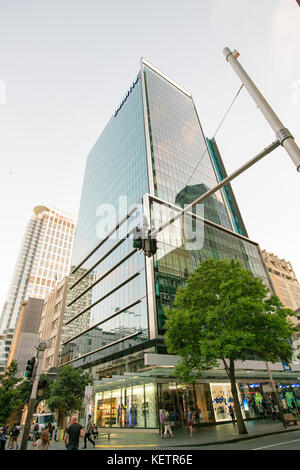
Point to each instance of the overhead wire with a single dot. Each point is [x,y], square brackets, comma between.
[217,129]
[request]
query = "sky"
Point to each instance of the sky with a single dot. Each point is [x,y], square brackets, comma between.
[65,65]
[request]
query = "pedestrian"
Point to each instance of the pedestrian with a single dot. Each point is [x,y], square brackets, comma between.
[14,435]
[261,411]
[161,422]
[72,434]
[43,442]
[50,430]
[95,431]
[88,431]
[167,425]
[277,414]
[191,418]
[4,435]
[231,412]
[36,432]
[273,411]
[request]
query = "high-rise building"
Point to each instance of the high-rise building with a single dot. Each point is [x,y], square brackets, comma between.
[150,160]
[44,259]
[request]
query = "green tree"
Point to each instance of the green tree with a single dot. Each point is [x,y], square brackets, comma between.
[66,393]
[14,392]
[221,314]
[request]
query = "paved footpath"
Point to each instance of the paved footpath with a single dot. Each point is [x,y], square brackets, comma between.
[134,439]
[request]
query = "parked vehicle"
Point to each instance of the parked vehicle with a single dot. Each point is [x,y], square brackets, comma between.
[42,419]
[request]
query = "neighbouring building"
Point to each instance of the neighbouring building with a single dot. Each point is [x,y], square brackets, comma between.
[51,323]
[44,259]
[26,335]
[284,280]
[151,159]
[287,288]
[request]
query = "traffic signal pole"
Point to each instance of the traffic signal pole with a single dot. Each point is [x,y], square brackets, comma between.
[224,182]
[282,133]
[283,138]
[32,402]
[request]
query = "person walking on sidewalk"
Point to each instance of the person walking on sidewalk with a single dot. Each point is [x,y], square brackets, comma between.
[88,431]
[161,422]
[72,434]
[231,412]
[168,425]
[43,442]
[261,411]
[14,435]
[4,435]
[191,417]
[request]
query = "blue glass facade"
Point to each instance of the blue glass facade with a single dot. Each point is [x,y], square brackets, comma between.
[153,144]
[107,294]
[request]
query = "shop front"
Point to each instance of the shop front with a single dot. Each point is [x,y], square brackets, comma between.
[134,402]
[131,406]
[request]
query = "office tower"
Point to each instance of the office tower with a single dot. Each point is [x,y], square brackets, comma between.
[44,259]
[150,160]
[26,335]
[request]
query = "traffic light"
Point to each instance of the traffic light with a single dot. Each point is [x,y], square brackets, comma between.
[42,384]
[138,239]
[153,246]
[30,367]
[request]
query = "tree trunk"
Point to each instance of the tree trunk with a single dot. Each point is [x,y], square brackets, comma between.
[237,409]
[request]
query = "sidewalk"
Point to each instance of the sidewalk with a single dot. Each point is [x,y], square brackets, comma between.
[146,440]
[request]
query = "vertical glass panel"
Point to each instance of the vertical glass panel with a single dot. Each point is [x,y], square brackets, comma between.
[150,406]
[182,166]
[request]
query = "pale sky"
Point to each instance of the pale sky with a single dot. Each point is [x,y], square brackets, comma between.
[65,65]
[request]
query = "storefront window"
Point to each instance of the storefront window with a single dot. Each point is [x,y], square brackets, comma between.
[150,406]
[251,399]
[137,403]
[222,398]
[203,404]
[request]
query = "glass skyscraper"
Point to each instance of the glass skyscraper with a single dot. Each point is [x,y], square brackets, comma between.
[152,151]
[151,160]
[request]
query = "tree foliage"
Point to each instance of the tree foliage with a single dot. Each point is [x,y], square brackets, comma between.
[66,393]
[222,314]
[14,392]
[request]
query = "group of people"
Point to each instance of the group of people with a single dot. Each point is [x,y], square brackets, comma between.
[273,410]
[165,424]
[75,430]
[9,435]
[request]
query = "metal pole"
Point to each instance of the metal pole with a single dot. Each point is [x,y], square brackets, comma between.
[282,133]
[225,181]
[32,401]
[278,403]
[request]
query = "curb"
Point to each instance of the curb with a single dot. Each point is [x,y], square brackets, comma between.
[245,437]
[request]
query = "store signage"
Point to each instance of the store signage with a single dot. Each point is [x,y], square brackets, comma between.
[126,96]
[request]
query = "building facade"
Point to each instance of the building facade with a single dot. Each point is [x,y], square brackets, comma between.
[44,259]
[284,280]
[26,335]
[287,288]
[151,160]
[50,327]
